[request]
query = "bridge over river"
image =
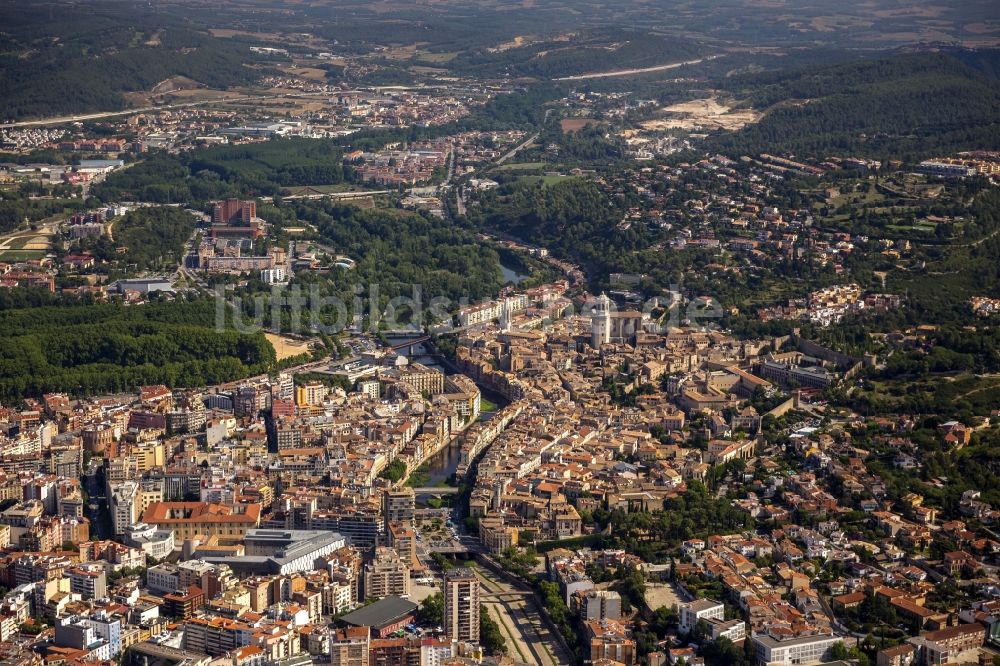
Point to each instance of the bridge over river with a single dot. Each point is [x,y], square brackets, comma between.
[437,490]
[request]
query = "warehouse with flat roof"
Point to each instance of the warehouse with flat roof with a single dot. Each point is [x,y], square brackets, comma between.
[385,616]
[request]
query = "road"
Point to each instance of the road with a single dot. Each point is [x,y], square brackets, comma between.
[59,120]
[527,142]
[515,611]
[358,194]
[631,72]
[452,159]
[96,504]
[437,490]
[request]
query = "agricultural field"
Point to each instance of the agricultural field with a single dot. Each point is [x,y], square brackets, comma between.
[570,125]
[24,246]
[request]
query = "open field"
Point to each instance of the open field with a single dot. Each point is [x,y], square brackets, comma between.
[703,114]
[175,83]
[664,594]
[283,100]
[546,180]
[23,246]
[20,255]
[197,95]
[428,71]
[226,33]
[302,70]
[175,88]
[570,125]
[517,166]
[364,203]
[32,241]
[427,56]
[402,52]
[286,347]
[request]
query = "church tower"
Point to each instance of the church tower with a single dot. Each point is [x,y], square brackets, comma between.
[506,316]
[600,322]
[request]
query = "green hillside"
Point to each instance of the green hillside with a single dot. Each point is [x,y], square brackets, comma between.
[906,106]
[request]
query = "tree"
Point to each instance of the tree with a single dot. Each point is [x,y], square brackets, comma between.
[664,619]
[442,561]
[632,589]
[431,610]
[394,471]
[490,636]
[519,563]
[723,652]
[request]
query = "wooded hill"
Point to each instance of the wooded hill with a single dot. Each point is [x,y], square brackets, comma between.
[89,348]
[260,169]
[908,106]
[67,59]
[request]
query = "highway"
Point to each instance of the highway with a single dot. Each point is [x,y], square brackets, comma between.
[518,616]
[59,120]
[358,194]
[631,72]
[518,149]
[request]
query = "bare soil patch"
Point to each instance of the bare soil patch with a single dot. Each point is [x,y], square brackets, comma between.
[570,125]
[286,347]
[703,114]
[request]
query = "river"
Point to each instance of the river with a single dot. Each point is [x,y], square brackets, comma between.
[510,275]
[443,464]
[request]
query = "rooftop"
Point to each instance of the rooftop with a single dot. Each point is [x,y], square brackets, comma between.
[381,613]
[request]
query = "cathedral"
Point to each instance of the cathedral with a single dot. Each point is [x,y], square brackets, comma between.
[607,325]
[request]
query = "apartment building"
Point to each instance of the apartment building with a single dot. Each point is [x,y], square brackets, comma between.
[398,506]
[349,646]
[124,504]
[599,605]
[216,636]
[187,519]
[422,378]
[387,574]
[461,604]
[89,581]
[610,640]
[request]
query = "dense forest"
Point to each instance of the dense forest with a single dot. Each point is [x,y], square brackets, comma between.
[200,175]
[398,249]
[908,107]
[152,238]
[88,348]
[80,58]
[573,218]
[591,146]
[956,271]
[21,205]
[397,254]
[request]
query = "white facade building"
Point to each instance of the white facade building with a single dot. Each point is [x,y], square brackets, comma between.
[801,650]
[700,609]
